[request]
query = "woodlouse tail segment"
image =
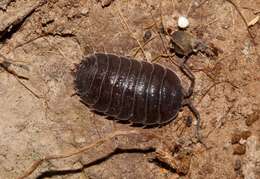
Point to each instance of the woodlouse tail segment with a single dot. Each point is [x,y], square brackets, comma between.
[196,113]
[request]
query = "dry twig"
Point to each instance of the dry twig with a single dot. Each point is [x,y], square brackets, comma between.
[148,41]
[4,4]
[37,163]
[12,19]
[131,33]
[214,85]
[244,20]
[9,67]
[165,54]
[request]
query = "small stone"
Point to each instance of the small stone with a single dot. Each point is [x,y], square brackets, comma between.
[176,148]
[237,165]
[252,118]
[84,11]
[80,140]
[237,136]
[147,35]
[196,4]
[225,26]
[246,134]
[242,141]
[188,121]
[148,56]
[183,164]
[174,176]
[221,38]
[239,149]
[183,22]
[106,3]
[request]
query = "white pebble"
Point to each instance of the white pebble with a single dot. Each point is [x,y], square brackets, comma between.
[242,141]
[183,22]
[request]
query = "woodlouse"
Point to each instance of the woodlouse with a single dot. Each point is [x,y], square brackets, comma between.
[136,91]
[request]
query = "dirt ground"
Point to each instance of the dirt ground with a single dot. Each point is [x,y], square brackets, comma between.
[40,116]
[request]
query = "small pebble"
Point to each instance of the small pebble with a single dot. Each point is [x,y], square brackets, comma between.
[242,141]
[183,22]
[252,118]
[84,11]
[219,37]
[246,134]
[239,149]
[188,121]
[147,35]
[237,165]
[237,136]
[106,3]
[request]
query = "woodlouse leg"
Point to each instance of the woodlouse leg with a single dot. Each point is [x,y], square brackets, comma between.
[186,70]
[187,102]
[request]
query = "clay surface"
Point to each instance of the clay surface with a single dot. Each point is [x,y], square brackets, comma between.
[41,116]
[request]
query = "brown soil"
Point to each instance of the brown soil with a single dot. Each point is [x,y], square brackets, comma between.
[40,116]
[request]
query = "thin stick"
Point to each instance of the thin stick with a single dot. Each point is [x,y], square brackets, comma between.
[202,3]
[26,87]
[161,18]
[189,8]
[129,30]
[161,38]
[16,76]
[244,20]
[30,40]
[214,85]
[37,163]
[136,52]
[6,64]
[162,56]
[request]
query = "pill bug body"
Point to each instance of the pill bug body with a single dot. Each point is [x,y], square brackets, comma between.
[127,89]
